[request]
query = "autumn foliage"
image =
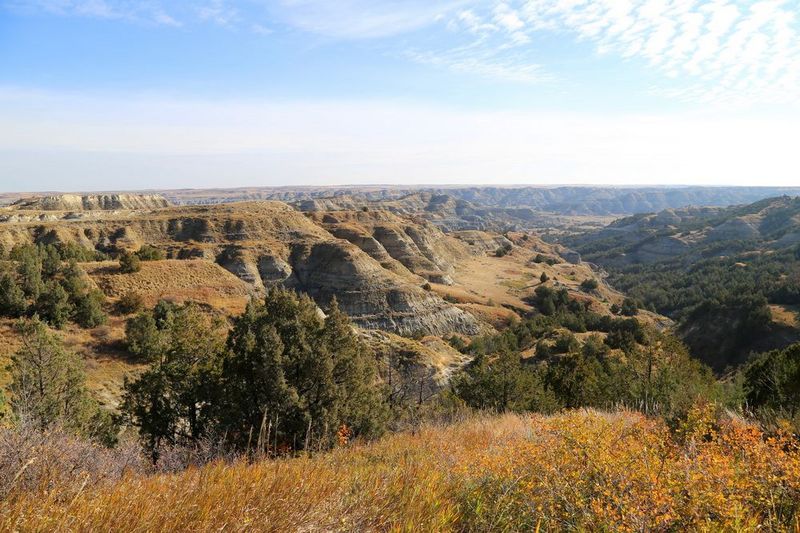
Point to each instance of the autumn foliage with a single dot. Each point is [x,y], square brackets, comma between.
[580,470]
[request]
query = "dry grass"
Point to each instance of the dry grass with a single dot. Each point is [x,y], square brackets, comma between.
[106,361]
[177,280]
[498,317]
[574,471]
[785,314]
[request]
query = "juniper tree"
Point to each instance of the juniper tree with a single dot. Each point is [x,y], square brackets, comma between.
[12,298]
[172,401]
[53,305]
[48,386]
[305,375]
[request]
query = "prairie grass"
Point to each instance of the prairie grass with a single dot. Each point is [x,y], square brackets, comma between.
[178,280]
[581,470]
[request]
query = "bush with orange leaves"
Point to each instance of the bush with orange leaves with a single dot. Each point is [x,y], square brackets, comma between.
[580,470]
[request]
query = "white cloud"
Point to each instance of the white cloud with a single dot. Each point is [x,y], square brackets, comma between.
[96,141]
[714,49]
[508,18]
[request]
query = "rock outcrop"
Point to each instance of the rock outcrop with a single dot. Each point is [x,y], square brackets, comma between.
[374,263]
[91,202]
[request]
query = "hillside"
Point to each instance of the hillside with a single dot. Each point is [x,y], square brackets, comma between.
[730,276]
[261,243]
[376,262]
[582,470]
[394,271]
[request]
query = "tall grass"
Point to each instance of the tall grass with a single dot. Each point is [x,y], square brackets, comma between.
[573,471]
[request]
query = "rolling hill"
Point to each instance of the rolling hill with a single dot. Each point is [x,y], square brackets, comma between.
[730,276]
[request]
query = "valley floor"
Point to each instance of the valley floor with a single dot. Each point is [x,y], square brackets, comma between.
[574,471]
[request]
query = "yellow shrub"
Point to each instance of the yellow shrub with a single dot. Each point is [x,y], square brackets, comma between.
[581,470]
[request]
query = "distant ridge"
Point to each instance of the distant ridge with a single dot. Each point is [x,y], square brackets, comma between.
[91,202]
[563,200]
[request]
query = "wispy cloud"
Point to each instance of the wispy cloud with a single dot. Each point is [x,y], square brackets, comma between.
[711,50]
[484,63]
[219,12]
[146,11]
[362,19]
[739,51]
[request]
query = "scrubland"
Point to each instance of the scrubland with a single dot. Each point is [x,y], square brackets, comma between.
[579,470]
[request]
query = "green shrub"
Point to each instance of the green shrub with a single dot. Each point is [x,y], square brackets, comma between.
[150,253]
[589,285]
[129,263]
[130,302]
[53,305]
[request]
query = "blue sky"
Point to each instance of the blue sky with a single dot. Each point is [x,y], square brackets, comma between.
[122,94]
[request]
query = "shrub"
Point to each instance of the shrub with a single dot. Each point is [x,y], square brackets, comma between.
[589,285]
[143,336]
[89,309]
[503,250]
[129,263]
[150,253]
[575,471]
[629,307]
[130,302]
[501,383]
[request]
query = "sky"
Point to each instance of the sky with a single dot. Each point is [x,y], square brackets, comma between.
[127,94]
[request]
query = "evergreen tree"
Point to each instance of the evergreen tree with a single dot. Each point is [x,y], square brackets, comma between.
[353,374]
[53,305]
[51,260]
[172,402]
[87,303]
[143,337]
[12,298]
[73,279]
[304,375]
[29,269]
[150,253]
[254,378]
[772,380]
[502,383]
[629,307]
[88,309]
[48,386]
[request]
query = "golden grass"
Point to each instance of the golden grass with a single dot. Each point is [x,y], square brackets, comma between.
[177,280]
[575,471]
[498,317]
[785,314]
